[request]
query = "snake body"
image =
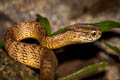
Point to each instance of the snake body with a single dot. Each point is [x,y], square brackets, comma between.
[41,56]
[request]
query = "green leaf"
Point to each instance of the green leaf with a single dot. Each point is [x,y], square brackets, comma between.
[59,31]
[46,24]
[107,25]
[114,48]
[1,45]
[44,21]
[84,71]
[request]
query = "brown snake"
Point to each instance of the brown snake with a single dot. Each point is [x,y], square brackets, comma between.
[41,56]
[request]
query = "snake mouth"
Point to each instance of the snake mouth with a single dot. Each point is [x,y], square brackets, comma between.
[88,41]
[93,38]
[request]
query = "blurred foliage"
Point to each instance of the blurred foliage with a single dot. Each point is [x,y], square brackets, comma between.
[107,25]
[1,45]
[114,48]
[45,22]
[84,71]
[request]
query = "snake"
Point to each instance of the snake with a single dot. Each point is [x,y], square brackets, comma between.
[41,56]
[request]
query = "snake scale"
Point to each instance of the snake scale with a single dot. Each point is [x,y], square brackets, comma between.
[41,56]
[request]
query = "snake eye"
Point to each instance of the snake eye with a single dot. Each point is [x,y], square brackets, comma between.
[93,33]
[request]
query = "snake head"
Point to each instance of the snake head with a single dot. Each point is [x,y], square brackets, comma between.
[83,33]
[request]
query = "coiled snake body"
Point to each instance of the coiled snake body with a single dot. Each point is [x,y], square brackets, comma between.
[41,56]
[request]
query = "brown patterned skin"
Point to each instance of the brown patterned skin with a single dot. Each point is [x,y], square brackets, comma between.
[77,33]
[41,56]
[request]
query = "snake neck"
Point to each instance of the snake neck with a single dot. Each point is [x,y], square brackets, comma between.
[59,40]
